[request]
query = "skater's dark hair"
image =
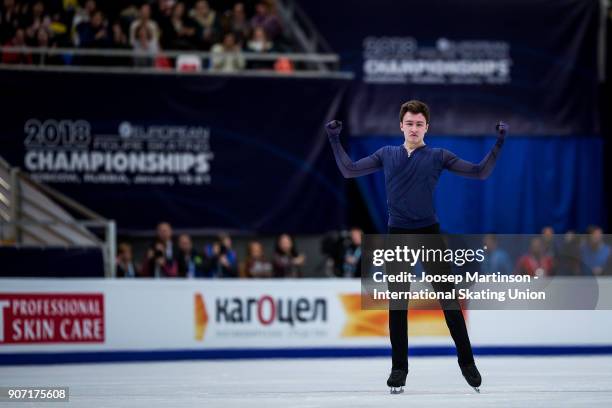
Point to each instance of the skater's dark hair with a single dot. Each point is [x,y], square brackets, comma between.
[414,107]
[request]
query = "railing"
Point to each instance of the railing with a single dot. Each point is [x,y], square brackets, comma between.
[304,29]
[32,213]
[137,59]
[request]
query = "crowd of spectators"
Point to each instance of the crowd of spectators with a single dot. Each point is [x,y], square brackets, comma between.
[553,255]
[547,255]
[169,258]
[147,27]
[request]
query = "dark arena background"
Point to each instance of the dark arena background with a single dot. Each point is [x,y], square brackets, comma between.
[175,229]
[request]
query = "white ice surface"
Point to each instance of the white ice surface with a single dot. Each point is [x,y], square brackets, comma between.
[432,382]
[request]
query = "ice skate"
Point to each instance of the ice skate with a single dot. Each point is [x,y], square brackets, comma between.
[396,381]
[472,376]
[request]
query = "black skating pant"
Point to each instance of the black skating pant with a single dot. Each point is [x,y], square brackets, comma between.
[398,324]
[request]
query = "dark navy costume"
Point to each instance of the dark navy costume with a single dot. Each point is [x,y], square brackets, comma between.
[410,180]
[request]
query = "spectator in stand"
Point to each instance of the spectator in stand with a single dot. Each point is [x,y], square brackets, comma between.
[82,15]
[266,19]
[190,263]
[221,258]
[162,14]
[118,37]
[206,23]
[146,46]
[144,19]
[548,241]
[128,14]
[178,30]
[259,44]
[43,40]
[535,262]
[351,266]
[333,246]
[594,253]
[157,265]
[496,259]
[23,57]
[256,265]
[9,20]
[567,259]
[59,29]
[288,262]
[235,21]
[70,7]
[162,11]
[94,33]
[125,262]
[164,235]
[36,20]
[227,57]
[160,258]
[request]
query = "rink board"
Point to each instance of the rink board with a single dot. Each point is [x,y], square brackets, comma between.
[78,320]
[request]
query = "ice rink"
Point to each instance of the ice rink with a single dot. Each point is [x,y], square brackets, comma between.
[432,382]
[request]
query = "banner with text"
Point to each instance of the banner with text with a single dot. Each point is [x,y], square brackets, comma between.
[532,63]
[71,315]
[202,152]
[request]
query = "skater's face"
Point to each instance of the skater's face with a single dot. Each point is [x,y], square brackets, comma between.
[414,126]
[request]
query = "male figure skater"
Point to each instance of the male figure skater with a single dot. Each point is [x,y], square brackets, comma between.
[411,174]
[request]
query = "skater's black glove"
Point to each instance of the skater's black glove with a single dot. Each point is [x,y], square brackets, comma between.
[502,129]
[333,129]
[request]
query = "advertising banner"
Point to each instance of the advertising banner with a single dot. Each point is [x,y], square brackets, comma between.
[232,153]
[532,63]
[226,319]
[28,318]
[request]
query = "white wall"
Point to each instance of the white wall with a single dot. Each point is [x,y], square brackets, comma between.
[161,314]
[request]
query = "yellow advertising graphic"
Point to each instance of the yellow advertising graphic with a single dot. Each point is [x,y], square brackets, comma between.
[375,323]
[201,317]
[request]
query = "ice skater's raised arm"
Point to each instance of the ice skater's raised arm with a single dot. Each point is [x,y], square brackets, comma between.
[481,170]
[349,168]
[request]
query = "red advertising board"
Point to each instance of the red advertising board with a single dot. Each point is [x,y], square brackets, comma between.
[51,318]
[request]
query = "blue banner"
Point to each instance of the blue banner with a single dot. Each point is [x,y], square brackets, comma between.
[537,182]
[231,153]
[532,63]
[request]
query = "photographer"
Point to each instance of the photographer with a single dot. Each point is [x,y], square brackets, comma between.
[221,258]
[160,260]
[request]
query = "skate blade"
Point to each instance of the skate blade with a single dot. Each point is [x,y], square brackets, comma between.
[397,390]
[476,389]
